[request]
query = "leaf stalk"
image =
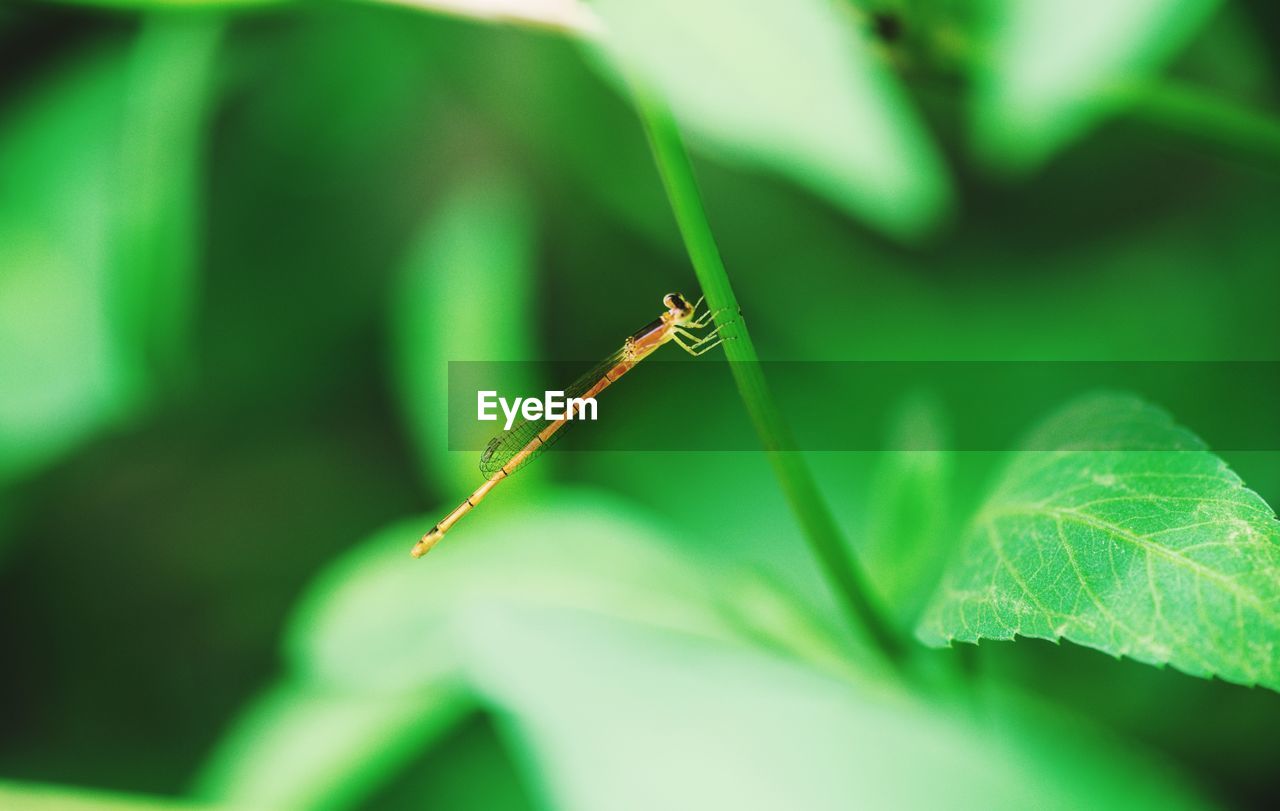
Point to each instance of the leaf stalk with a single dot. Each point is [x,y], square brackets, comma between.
[824,537]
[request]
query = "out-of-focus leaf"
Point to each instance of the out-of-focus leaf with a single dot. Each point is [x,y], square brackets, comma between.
[97,185]
[464,294]
[300,746]
[1055,68]
[61,373]
[373,622]
[157,201]
[374,673]
[1161,555]
[564,15]
[38,797]
[908,506]
[1149,239]
[787,85]
[161,5]
[471,769]
[578,128]
[616,716]
[378,620]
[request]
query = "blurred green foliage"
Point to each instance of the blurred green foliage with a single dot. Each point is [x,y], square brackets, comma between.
[98,173]
[1054,69]
[908,509]
[715,726]
[461,298]
[239,246]
[35,797]
[791,86]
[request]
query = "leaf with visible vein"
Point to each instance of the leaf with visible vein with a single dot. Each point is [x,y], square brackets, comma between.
[1119,531]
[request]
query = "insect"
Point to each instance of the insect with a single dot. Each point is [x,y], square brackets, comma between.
[513,449]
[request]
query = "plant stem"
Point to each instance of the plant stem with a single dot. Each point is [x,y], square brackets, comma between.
[801,490]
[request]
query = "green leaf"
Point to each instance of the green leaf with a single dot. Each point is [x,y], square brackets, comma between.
[572,16]
[374,661]
[566,15]
[907,510]
[613,715]
[463,294]
[156,247]
[62,375]
[1057,67]
[97,247]
[300,746]
[1160,554]
[789,85]
[376,620]
[161,5]
[38,797]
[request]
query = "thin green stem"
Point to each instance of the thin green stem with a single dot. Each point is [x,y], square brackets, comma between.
[797,481]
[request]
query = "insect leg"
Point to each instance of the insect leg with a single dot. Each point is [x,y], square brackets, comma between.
[700,347]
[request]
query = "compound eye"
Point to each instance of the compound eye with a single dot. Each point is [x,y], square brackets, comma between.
[673,301]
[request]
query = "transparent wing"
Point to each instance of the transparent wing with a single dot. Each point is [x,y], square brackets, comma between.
[504,447]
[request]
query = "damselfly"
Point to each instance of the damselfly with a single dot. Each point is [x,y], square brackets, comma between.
[513,449]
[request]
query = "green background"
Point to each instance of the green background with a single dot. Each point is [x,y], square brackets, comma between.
[239,246]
